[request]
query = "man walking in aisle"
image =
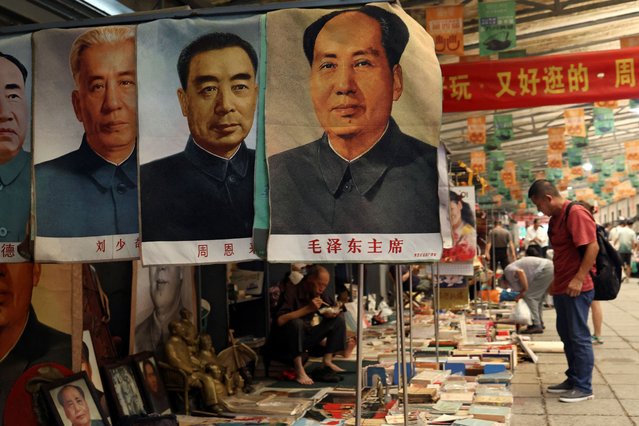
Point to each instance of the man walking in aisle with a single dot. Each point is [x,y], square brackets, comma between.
[574,240]
[626,241]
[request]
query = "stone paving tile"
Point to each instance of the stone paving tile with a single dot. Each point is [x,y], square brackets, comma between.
[631,406]
[552,368]
[626,354]
[612,367]
[626,391]
[600,407]
[612,344]
[558,420]
[526,405]
[526,367]
[525,378]
[558,377]
[527,420]
[635,420]
[622,379]
[551,359]
[526,390]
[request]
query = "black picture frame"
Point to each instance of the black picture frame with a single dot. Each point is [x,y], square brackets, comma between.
[154,390]
[83,400]
[124,389]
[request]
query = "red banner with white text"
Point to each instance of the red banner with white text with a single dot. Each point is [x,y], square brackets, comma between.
[541,80]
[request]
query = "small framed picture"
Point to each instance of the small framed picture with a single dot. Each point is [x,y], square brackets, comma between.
[72,401]
[122,385]
[151,382]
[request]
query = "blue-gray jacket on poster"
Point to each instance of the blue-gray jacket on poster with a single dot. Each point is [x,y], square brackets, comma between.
[392,188]
[81,195]
[194,195]
[15,197]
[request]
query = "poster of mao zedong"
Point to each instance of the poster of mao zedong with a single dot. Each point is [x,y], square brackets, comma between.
[85,135]
[198,102]
[353,111]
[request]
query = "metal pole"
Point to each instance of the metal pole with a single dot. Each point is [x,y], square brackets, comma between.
[410,321]
[360,338]
[399,301]
[436,317]
[404,374]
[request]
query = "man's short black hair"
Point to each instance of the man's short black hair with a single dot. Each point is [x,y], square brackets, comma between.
[542,187]
[394,32]
[207,42]
[17,63]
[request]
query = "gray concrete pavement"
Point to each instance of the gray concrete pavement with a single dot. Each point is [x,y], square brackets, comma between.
[615,378]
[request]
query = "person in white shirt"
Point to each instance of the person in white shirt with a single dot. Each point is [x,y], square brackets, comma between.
[536,236]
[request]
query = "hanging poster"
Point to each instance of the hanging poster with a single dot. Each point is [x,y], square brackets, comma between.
[556,141]
[445,24]
[198,104]
[604,120]
[492,143]
[158,295]
[497,30]
[463,225]
[348,180]
[632,150]
[476,130]
[574,156]
[503,126]
[478,161]
[15,145]
[574,122]
[86,198]
[555,159]
[37,324]
[606,104]
[579,142]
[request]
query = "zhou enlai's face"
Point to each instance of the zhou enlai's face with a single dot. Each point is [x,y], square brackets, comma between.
[165,285]
[75,407]
[352,85]
[13,110]
[105,100]
[219,100]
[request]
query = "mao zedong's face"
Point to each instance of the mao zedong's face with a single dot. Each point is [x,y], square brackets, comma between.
[352,85]
[219,100]
[75,407]
[165,286]
[13,110]
[105,100]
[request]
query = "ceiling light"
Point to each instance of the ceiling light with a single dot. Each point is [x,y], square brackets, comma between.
[570,188]
[110,7]
[540,214]
[587,166]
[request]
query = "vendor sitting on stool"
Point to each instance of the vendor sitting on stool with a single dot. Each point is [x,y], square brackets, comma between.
[294,330]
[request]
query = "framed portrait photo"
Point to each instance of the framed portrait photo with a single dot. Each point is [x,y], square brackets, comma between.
[125,391]
[73,402]
[151,383]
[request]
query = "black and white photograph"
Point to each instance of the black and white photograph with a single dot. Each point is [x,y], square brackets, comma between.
[159,294]
[124,387]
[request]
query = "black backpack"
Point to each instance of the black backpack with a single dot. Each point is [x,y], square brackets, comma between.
[607,280]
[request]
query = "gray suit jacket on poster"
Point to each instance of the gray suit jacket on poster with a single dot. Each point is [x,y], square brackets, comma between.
[81,195]
[390,189]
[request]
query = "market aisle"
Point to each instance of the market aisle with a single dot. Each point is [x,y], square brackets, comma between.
[615,379]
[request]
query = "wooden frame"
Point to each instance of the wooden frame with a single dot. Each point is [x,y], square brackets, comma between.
[124,389]
[151,383]
[80,397]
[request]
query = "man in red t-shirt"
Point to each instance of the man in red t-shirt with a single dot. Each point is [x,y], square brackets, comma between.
[574,241]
